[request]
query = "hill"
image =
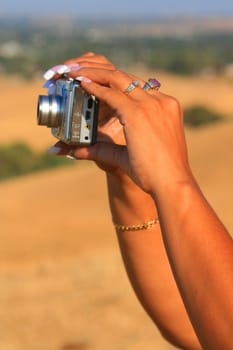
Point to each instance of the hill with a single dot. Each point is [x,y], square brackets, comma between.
[63,286]
[19,103]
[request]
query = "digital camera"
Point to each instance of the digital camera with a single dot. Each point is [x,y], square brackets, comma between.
[70,112]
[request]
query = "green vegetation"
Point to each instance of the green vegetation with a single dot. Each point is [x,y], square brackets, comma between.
[198,116]
[28,47]
[19,159]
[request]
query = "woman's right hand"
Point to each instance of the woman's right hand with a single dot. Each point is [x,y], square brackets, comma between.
[155,154]
[149,122]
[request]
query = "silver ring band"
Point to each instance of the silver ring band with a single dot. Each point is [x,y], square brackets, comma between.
[132,86]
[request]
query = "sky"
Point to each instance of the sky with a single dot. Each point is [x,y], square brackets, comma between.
[123,8]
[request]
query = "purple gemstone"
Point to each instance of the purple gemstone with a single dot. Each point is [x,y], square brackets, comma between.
[154,83]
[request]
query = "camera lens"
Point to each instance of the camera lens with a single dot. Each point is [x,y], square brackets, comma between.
[49,110]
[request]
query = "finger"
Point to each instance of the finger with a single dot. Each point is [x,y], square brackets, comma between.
[120,104]
[112,155]
[113,79]
[87,64]
[88,54]
[83,56]
[94,61]
[90,57]
[70,69]
[55,71]
[111,131]
[154,92]
[109,153]
[97,58]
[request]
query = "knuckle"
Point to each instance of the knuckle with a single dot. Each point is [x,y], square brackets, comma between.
[140,110]
[117,73]
[70,60]
[172,105]
[101,58]
[84,63]
[106,94]
[89,53]
[148,104]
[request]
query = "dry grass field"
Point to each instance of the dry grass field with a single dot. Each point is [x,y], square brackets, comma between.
[62,283]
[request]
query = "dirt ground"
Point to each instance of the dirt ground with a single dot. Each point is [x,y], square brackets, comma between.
[63,286]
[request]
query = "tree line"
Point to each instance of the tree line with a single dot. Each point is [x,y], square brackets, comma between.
[28,50]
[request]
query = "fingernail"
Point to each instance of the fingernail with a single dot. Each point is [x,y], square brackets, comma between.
[54,150]
[74,66]
[60,69]
[49,74]
[70,157]
[63,69]
[84,79]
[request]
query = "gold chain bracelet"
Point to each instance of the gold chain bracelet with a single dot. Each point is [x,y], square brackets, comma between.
[144,226]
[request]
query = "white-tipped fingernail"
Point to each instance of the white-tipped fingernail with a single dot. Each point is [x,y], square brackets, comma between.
[84,79]
[54,150]
[63,69]
[49,74]
[70,157]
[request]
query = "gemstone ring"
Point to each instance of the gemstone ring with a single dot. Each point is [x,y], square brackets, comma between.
[151,83]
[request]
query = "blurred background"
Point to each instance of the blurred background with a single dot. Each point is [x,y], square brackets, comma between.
[62,282]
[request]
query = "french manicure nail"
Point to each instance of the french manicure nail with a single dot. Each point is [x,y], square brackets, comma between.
[54,150]
[70,157]
[63,69]
[84,79]
[60,69]
[49,74]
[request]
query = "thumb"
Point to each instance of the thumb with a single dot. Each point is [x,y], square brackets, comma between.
[109,154]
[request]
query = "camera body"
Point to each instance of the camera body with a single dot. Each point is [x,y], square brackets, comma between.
[70,112]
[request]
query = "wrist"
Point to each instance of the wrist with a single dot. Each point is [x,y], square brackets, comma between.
[172,183]
[176,194]
[129,203]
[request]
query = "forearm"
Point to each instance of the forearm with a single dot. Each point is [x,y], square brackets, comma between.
[146,262]
[156,149]
[201,256]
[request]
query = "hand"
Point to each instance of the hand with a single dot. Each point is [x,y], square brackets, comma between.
[156,153]
[110,129]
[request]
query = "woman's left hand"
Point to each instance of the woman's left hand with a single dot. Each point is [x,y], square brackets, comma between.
[110,129]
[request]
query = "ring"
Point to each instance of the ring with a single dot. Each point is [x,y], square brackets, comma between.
[151,83]
[131,87]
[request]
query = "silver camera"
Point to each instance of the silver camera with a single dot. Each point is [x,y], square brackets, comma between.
[70,112]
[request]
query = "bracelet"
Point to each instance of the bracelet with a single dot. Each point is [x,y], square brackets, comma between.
[144,226]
